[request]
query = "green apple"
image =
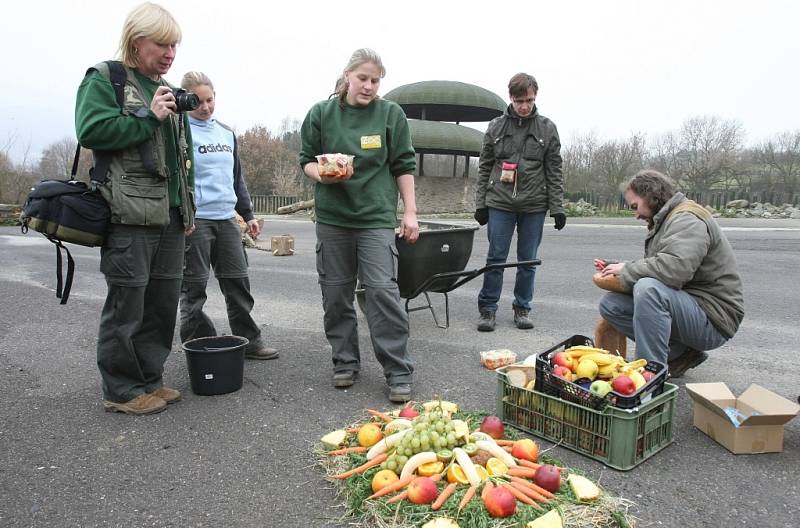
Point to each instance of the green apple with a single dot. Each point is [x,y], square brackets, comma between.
[600,388]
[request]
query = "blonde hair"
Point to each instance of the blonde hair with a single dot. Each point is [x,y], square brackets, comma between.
[195,78]
[359,57]
[147,20]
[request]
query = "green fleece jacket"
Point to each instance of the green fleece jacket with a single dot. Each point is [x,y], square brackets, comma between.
[379,138]
[100,125]
[686,250]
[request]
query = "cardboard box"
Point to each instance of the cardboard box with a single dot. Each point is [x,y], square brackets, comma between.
[763,415]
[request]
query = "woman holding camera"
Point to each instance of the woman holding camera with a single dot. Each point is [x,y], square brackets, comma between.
[143,168]
[217,240]
[356,219]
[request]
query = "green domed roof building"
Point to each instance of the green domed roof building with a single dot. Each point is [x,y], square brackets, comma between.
[435,110]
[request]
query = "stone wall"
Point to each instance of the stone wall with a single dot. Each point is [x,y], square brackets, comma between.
[9,214]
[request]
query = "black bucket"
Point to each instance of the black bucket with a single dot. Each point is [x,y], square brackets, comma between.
[216,364]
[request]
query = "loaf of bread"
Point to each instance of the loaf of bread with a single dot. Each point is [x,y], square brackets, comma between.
[609,282]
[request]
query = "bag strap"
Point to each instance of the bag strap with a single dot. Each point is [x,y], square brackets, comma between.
[118,76]
[75,163]
[63,294]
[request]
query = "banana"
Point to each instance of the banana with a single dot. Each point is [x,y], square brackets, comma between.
[608,371]
[634,365]
[577,352]
[604,359]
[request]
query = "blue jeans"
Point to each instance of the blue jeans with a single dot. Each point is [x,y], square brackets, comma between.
[500,230]
[663,321]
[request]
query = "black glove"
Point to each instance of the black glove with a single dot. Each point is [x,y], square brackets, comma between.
[560,220]
[482,216]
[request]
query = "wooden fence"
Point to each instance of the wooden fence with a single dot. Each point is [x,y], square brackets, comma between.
[268,204]
[716,199]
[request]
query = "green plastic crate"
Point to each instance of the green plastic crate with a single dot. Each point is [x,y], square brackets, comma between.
[619,438]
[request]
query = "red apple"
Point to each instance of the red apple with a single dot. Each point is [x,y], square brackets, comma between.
[422,490]
[562,359]
[548,477]
[500,502]
[647,375]
[623,385]
[408,412]
[563,372]
[525,449]
[493,426]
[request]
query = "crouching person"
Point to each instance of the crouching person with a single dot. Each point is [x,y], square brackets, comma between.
[685,296]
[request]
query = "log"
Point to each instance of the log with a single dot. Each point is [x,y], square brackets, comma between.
[282,246]
[297,206]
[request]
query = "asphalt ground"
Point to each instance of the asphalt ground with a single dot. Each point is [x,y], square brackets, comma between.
[245,459]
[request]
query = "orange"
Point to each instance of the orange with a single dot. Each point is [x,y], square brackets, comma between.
[383,478]
[482,473]
[455,473]
[496,467]
[430,469]
[369,435]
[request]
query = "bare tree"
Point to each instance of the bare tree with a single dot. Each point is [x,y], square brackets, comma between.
[56,160]
[708,147]
[781,156]
[578,162]
[16,179]
[664,155]
[616,161]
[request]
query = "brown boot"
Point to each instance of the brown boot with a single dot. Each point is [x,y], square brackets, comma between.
[142,404]
[167,394]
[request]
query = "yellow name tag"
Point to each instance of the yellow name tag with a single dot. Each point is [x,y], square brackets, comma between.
[371,142]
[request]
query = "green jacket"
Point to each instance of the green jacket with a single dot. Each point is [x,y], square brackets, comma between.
[151,163]
[379,137]
[533,144]
[686,250]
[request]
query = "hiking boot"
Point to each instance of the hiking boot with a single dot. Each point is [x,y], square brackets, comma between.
[261,353]
[689,359]
[521,318]
[400,393]
[344,379]
[486,322]
[167,394]
[142,404]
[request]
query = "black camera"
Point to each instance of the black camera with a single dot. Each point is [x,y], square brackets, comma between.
[185,101]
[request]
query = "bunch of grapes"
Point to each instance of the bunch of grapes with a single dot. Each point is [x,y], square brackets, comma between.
[432,432]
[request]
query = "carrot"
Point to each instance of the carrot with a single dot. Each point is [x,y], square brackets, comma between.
[528,464]
[535,487]
[530,492]
[394,486]
[504,442]
[508,449]
[444,495]
[345,450]
[353,429]
[398,497]
[466,498]
[362,468]
[521,496]
[383,416]
[521,472]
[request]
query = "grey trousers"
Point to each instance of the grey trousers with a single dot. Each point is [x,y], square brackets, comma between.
[663,321]
[217,244]
[371,256]
[143,268]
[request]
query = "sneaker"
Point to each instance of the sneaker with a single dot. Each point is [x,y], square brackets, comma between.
[400,393]
[486,322]
[689,359]
[522,319]
[344,379]
[142,404]
[167,394]
[261,353]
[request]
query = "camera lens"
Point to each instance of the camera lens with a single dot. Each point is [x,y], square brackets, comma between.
[185,101]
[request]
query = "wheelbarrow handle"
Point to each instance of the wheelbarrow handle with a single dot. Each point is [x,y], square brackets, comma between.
[468,275]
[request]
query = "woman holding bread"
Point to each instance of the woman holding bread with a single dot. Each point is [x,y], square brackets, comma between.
[356,211]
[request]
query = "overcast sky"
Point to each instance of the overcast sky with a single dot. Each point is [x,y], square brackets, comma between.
[614,67]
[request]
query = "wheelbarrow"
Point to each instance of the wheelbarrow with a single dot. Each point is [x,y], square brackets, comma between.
[435,263]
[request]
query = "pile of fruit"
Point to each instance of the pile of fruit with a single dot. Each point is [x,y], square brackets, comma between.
[600,372]
[427,462]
